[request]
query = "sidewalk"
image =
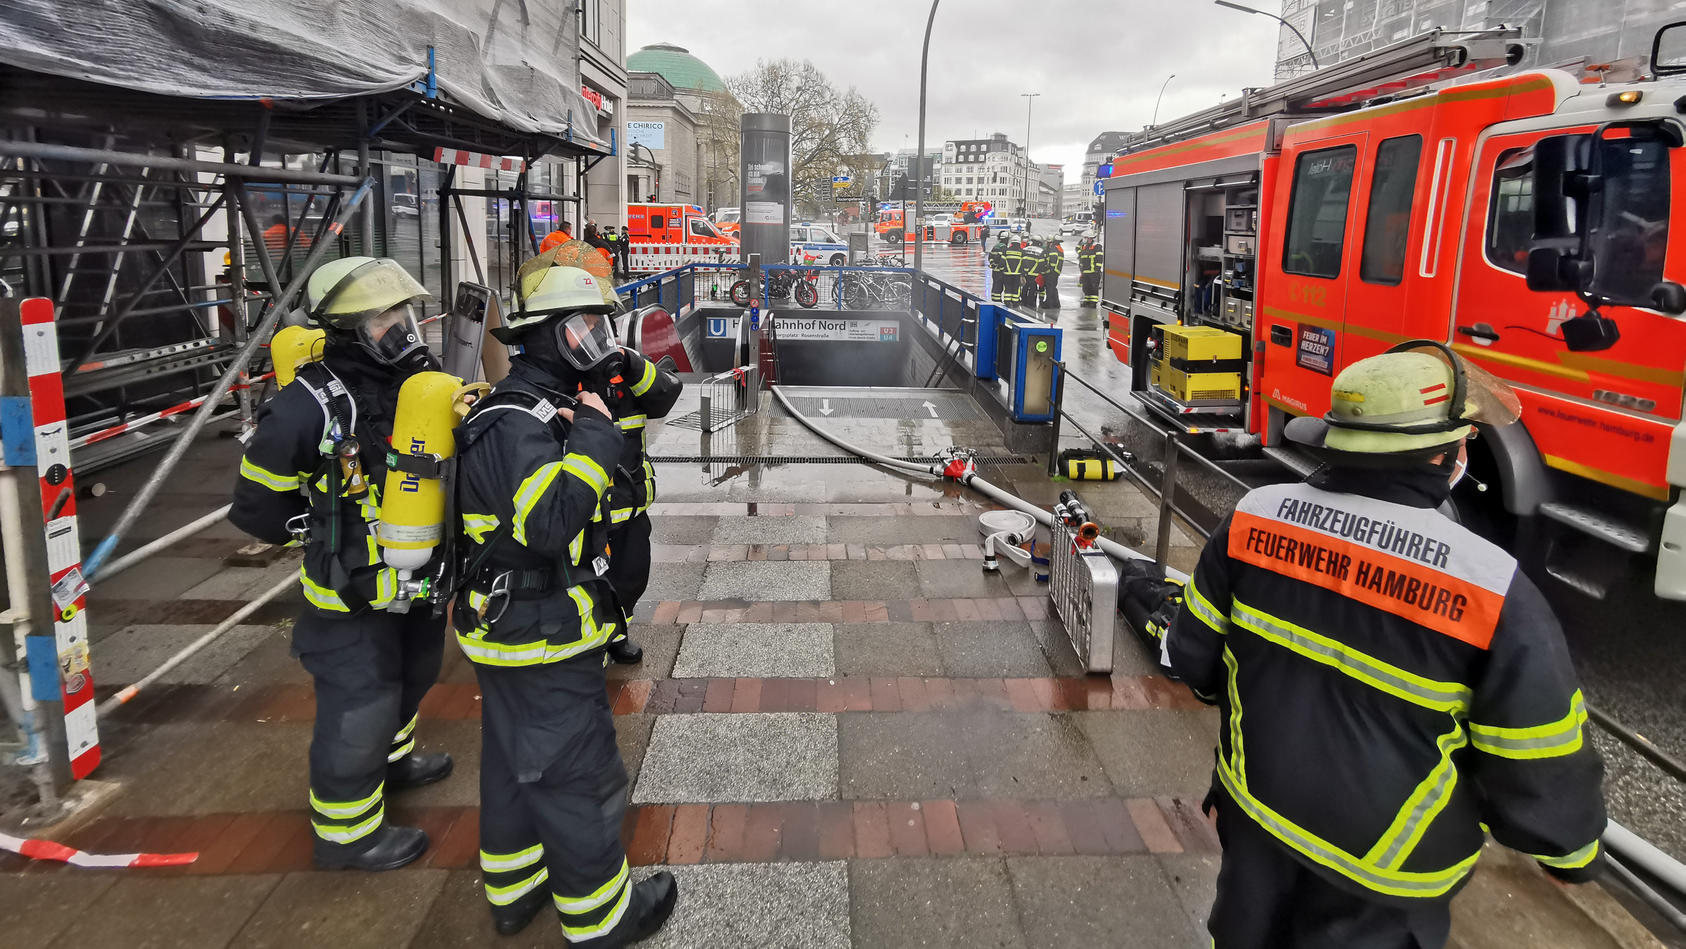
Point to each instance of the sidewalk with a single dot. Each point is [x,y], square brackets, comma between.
[843,734]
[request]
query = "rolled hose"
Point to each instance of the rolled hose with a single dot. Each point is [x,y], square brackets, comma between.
[1111,547]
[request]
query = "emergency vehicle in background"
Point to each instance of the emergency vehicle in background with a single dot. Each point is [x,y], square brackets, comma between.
[950,223]
[727,220]
[664,236]
[1428,190]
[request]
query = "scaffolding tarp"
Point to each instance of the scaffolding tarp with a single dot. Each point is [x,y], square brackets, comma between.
[514,63]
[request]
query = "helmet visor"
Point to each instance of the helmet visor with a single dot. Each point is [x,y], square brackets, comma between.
[395,338]
[368,292]
[586,339]
[1487,398]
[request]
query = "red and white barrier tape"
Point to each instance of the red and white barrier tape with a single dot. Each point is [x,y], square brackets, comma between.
[92,438]
[48,850]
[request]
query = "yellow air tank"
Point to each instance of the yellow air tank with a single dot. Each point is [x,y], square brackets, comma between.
[413,506]
[292,347]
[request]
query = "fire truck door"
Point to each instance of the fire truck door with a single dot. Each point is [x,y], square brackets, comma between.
[1308,271]
[1395,182]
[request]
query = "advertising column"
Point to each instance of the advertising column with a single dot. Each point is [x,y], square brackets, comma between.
[766,187]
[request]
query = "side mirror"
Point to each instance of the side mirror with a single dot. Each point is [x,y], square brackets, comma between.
[1668,50]
[1590,332]
[1669,297]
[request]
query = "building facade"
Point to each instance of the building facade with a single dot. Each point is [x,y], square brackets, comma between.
[702,94]
[993,169]
[663,150]
[1104,147]
[603,78]
[1566,32]
[1050,191]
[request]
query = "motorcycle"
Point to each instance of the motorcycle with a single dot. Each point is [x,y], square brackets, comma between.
[798,285]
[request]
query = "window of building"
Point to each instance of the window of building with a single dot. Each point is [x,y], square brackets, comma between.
[1317,212]
[591,20]
[1387,225]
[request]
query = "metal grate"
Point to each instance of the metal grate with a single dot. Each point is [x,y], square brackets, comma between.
[821,459]
[1084,587]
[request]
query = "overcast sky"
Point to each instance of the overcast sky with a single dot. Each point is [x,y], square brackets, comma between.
[1097,63]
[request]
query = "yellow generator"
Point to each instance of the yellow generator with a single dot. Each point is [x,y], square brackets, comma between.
[1197,365]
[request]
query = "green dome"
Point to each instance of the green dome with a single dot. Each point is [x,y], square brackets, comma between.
[677,66]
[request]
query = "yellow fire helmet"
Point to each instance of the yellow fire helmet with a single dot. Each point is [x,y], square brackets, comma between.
[366,297]
[1416,397]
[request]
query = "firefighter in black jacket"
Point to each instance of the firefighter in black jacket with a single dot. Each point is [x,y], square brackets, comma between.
[1053,264]
[1013,260]
[1390,682]
[1089,268]
[537,457]
[998,271]
[313,470]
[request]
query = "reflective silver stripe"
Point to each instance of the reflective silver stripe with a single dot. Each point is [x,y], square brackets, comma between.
[597,899]
[1554,739]
[398,753]
[1449,697]
[505,895]
[1203,609]
[631,422]
[1422,807]
[646,380]
[498,862]
[344,835]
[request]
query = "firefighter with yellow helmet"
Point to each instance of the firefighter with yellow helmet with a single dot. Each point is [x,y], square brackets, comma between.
[536,461]
[312,475]
[1391,683]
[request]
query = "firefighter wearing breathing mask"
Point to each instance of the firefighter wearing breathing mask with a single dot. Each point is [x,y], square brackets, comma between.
[1392,685]
[312,476]
[536,461]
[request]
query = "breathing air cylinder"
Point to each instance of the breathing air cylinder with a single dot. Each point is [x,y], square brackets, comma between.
[413,504]
[292,347]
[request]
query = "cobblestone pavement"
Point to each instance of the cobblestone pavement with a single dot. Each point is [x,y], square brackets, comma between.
[843,733]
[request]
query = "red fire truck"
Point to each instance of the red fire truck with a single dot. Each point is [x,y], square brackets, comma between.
[1428,190]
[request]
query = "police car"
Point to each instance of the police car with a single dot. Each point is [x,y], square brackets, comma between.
[817,241]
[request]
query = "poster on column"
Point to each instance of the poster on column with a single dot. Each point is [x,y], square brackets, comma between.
[768,189]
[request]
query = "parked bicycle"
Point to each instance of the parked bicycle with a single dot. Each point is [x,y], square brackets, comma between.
[864,290]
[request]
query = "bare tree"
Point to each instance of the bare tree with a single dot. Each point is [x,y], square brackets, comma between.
[829,127]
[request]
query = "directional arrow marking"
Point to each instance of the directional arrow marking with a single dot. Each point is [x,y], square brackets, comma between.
[825,406]
[931,409]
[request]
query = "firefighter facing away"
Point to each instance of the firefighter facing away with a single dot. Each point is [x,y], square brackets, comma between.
[313,471]
[536,459]
[1390,682]
[1089,269]
[998,271]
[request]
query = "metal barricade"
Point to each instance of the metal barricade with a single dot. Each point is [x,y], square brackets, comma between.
[730,396]
[1083,583]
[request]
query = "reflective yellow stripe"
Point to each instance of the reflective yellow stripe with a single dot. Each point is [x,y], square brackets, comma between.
[588,471]
[531,490]
[408,730]
[1562,737]
[320,596]
[1571,861]
[267,478]
[1203,609]
[621,515]
[575,546]
[597,899]
[539,652]
[630,422]
[345,835]
[1393,882]
[1422,807]
[505,895]
[1450,697]
[477,526]
[1236,756]
[397,754]
[498,862]
[609,922]
[645,381]
[345,809]
[386,588]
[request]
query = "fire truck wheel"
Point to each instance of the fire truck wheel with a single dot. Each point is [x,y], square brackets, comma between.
[740,293]
[958,238]
[892,237]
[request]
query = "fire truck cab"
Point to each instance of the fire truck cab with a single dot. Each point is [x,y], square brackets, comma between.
[1254,250]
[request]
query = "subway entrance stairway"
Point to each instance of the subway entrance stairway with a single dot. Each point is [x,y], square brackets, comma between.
[843,733]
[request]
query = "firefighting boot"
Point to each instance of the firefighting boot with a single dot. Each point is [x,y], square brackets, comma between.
[513,918]
[388,848]
[650,906]
[416,769]
[626,652]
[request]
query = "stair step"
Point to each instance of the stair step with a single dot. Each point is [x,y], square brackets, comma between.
[1607,529]
[1296,461]
[1586,585]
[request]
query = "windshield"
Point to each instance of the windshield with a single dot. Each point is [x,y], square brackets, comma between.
[726,216]
[701,228]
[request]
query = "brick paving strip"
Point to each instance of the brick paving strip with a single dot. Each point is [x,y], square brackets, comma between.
[691,553]
[823,509]
[270,841]
[455,701]
[943,610]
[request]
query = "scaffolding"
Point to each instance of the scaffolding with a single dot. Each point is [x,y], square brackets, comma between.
[168,236]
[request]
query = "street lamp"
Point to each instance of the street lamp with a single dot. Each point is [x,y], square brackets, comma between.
[632,153]
[1161,98]
[919,156]
[1308,50]
[1024,198]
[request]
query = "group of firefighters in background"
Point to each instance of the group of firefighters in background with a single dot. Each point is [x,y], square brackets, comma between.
[1024,270]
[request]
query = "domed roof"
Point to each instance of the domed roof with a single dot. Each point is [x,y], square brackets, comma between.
[677,66]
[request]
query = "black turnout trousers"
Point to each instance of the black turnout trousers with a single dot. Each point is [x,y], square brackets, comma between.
[1269,900]
[371,671]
